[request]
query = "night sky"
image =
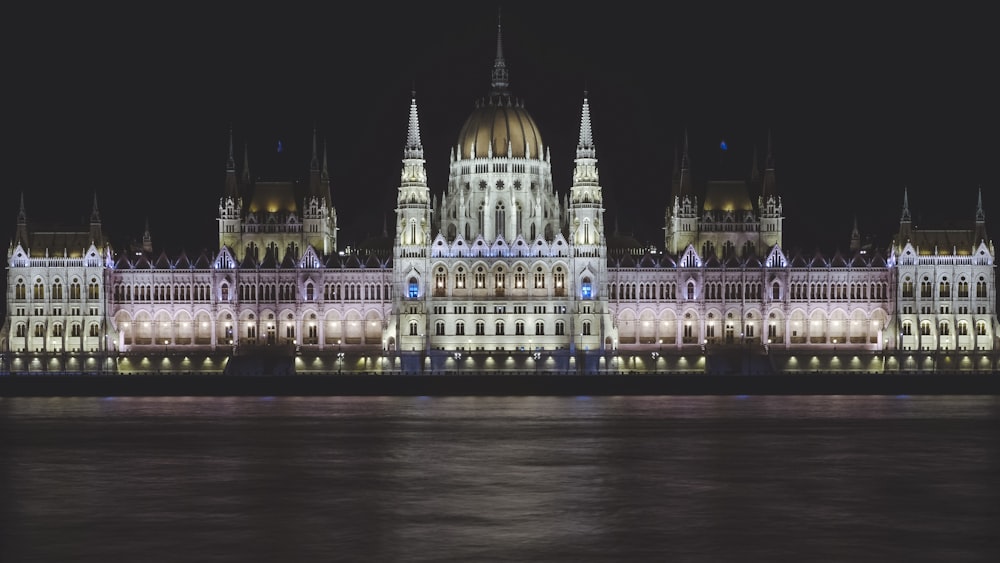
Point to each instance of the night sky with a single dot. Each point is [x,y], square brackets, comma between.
[136,106]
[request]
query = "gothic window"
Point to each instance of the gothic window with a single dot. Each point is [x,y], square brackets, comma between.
[439,278]
[586,289]
[690,290]
[480,328]
[586,328]
[39,329]
[74,329]
[907,287]
[439,328]
[20,331]
[540,327]
[289,331]
[310,292]
[498,278]
[413,328]
[981,288]
[925,288]
[460,328]
[413,289]
[94,330]
[93,289]
[481,218]
[499,328]
[480,277]
[225,292]
[944,288]
[944,328]
[500,219]
[251,331]
[981,328]
[519,278]
[907,328]
[775,291]
[560,328]
[539,278]
[519,328]
[963,328]
[460,278]
[39,290]
[19,290]
[963,288]
[57,290]
[57,330]
[925,328]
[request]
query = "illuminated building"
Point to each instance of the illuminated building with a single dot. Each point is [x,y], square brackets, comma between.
[502,271]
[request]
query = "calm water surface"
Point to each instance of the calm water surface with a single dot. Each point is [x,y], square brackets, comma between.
[500,479]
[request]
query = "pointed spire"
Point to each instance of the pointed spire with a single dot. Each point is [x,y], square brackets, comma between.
[231,188]
[685,187]
[22,215]
[906,206]
[326,170]
[95,215]
[230,162]
[414,149]
[769,189]
[586,147]
[501,78]
[246,164]
[314,162]
[980,214]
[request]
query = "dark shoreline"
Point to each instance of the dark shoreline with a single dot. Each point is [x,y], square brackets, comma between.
[495,385]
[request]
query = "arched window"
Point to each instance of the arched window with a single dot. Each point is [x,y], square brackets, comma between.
[413,328]
[225,292]
[586,289]
[499,328]
[413,289]
[586,328]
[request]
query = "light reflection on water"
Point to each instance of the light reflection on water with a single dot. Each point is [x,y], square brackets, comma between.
[500,479]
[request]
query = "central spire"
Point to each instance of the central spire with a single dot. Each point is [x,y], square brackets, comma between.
[501,79]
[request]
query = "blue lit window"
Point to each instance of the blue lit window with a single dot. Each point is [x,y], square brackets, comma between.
[587,291]
[413,290]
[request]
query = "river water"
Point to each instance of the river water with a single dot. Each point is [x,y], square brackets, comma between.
[755,478]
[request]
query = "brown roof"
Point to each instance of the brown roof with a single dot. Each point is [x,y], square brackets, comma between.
[960,241]
[727,195]
[274,197]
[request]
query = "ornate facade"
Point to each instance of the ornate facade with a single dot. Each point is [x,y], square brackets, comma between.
[501,271]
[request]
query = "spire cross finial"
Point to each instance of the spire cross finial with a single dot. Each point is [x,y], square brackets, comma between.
[501,78]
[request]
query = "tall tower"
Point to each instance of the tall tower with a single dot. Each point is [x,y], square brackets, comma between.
[231,204]
[769,205]
[682,210]
[586,234]
[410,248]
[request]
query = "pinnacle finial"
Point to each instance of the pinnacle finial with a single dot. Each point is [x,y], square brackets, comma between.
[586,147]
[980,214]
[414,149]
[906,205]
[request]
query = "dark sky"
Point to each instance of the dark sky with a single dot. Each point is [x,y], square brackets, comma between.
[136,106]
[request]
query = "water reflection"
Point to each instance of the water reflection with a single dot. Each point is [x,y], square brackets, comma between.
[487,478]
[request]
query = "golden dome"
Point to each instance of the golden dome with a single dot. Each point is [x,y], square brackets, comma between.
[498,123]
